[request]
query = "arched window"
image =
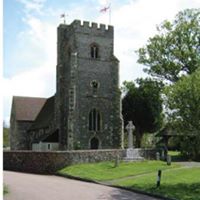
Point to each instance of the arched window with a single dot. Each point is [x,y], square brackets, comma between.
[94,50]
[94,120]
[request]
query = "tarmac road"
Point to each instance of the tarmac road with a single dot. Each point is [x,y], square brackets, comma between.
[24,186]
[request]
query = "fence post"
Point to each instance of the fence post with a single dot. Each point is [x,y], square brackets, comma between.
[117,160]
[159,178]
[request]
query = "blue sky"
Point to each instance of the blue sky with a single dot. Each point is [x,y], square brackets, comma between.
[29,36]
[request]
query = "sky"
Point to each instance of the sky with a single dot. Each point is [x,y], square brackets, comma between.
[29,38]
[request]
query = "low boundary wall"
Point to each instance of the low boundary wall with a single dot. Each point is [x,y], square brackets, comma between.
[49,162]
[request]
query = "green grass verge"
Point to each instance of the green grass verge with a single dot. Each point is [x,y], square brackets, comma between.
[182,184]
[176,182]
[104,171]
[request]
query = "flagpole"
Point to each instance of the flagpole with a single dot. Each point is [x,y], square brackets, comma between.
[63,16]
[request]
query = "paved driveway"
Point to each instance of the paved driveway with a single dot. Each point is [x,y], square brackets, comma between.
[42,187]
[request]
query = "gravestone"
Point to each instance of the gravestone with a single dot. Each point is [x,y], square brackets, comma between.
[169,160]
[163,154]
[157,156]
[116,161]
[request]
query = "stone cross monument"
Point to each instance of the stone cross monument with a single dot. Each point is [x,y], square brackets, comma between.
[131,153]
[130,128]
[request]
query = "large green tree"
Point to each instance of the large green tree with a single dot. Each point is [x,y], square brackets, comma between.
[175,49]
[183,103]
[142,104]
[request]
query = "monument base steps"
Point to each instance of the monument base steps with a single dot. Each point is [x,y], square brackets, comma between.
[133,155]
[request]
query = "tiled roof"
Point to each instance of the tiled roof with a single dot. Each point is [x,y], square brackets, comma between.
[27,108]
[46,115]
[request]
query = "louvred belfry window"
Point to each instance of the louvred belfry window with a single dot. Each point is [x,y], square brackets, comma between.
[94,50]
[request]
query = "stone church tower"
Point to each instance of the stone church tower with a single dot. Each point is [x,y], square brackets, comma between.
[88,110]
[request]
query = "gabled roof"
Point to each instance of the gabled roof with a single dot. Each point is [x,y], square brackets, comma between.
[27,108]
[46,115]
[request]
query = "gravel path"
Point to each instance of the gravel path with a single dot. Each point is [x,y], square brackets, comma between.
[23,186]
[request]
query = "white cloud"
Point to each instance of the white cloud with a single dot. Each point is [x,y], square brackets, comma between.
[41,36]
[38,82]
[33,5]
[37,50]
[31,83]
[104,2]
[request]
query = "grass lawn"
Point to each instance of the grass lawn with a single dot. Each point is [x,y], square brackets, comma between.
[182,184]
[104,171]
[176,181]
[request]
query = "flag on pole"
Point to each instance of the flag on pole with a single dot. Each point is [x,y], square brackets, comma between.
[63,16]
[105,9]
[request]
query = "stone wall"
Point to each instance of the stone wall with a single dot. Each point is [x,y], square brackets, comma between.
[50,162]
[149,154]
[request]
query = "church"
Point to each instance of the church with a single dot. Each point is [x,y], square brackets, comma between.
[85,112]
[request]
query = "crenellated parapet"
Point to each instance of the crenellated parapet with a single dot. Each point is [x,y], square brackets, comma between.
[89,27]
[92,25]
